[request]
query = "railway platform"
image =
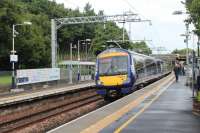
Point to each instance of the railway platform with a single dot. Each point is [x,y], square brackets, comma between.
[162,107]
[12,98]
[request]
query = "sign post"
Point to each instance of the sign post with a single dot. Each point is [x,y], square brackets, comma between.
[13,60]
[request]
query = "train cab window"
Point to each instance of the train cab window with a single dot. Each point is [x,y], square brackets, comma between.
[115,65]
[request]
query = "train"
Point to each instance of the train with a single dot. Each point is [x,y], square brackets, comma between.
[117,71]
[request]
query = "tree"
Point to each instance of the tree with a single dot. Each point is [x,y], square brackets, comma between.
[193,7]
[141,47]
[181,51]
[107,33]
[33,42]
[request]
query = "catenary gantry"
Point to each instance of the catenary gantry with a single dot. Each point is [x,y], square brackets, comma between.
[59,22]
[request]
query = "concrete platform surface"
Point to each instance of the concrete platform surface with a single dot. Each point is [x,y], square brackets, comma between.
[103,117]
[171,112]
[9,99]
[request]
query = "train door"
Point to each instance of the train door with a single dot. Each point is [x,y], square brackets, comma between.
[133,71]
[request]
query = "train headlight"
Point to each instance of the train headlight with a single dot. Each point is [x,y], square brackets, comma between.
[99,82]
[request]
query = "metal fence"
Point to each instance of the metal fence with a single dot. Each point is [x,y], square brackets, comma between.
[85,74]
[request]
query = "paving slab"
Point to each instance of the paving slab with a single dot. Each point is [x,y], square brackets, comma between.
[170,113]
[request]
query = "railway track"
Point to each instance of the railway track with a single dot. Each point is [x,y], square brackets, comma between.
[41,115]
[44,114]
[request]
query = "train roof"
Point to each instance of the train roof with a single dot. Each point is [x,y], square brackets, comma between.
[114,50]
[136,55]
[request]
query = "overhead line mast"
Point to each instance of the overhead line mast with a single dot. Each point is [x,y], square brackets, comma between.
[58,23]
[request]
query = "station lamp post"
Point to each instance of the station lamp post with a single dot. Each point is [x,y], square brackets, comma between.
[13,56]
[71,59]
[198,43]
[187,34]
[71,48]
[86,42]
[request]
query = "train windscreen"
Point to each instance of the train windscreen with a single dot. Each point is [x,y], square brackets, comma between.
[115,65]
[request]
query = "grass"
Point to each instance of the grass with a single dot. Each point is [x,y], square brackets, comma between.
[5,80]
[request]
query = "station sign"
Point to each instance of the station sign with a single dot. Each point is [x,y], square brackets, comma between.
[31,76]
[13,58]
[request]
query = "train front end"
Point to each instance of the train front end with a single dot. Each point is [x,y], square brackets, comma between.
[113,73]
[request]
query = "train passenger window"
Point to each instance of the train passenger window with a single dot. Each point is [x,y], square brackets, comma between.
[139,67]
[150,66]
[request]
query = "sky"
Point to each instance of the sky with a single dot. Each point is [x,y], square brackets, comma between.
[165,29]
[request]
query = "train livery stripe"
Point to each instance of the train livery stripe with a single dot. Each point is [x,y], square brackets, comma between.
[113,80]
[113,54]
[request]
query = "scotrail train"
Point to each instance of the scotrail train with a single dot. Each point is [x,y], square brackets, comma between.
[117,70]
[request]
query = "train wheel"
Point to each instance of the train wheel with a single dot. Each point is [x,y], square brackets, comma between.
[119,95]
[107,98]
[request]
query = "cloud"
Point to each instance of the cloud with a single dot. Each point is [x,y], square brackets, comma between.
[166,27]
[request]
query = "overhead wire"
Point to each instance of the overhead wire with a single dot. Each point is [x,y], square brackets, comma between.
[154,28]
[133,8]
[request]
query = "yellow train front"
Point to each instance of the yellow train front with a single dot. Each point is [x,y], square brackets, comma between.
[115,73]
[117,70]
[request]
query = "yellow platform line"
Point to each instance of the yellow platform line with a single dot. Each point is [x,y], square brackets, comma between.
[118,130]
[98,126]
